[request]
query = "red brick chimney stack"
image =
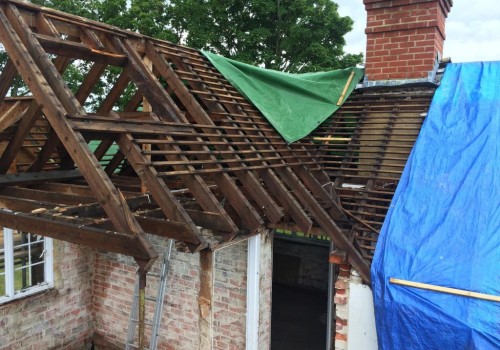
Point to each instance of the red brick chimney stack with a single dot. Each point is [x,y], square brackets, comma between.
[404,38]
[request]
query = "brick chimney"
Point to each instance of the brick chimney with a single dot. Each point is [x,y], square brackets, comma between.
[404,38]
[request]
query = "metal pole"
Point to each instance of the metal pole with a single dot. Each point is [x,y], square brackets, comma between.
[329,319]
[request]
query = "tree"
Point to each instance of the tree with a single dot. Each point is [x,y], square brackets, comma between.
[288,35]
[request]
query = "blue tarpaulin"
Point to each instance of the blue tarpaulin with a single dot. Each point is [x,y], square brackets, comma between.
[443,225]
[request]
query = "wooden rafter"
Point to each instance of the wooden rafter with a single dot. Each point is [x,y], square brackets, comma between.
[213,168]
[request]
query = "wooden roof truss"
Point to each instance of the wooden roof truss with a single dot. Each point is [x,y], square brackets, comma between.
[195,160]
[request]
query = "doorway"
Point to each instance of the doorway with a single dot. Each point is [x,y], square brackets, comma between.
[300,292]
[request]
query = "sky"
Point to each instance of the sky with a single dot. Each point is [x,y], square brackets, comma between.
[472,29]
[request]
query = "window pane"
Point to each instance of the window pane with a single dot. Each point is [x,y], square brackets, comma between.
[28,260]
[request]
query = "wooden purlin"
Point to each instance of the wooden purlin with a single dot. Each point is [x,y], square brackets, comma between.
[166,109]
[204,135]
[301,185]
[275,186]
[197,186]
[382,126]
[255,189]
[30,60]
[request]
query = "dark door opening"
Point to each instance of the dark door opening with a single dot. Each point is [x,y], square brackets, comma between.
[300,294]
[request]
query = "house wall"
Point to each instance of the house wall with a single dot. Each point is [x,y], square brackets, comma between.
[93,292]
[60,318]
[354,312]
[114,280]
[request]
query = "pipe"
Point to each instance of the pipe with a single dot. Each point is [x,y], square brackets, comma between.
[329,318]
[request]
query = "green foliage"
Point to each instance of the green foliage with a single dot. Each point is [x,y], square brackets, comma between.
[287,35]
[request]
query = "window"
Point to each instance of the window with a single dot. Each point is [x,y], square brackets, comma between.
[25,264]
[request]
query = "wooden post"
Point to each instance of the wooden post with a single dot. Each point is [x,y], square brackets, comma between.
[205,299]
[146,107]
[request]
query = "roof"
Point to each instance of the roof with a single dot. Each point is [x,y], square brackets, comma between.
[196,161]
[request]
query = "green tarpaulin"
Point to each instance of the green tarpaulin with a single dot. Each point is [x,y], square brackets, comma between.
[295,104]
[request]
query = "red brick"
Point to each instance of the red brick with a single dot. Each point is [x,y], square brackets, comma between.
[409,25]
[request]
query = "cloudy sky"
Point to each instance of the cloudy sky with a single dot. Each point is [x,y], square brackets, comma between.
[472,29]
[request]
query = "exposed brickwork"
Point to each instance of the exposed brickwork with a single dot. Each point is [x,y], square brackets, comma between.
[230,297]
[404,37]
[114,282]
[59,318]
[93,296]
[341,306]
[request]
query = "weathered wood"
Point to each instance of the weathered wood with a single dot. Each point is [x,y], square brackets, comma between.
[447,290]
[248,180]
[89,37]
[92,237]
[19,136]
[50,197]
[206,299]
[46,153]
[33,178]
[196,185]
[78,50]
[89,82]
[159,191]
[7,77]
[12,115]
[55,113]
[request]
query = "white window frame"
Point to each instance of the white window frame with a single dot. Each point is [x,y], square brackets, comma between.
[10,292]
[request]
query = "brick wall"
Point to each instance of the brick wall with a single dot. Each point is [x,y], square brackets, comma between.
[341,306]
[354,312]
[59,318]
[93,295]
[404,37]
[113,288]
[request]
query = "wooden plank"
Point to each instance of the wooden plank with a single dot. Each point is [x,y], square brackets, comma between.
[46,196]
[446,290]
[255,189]
[157,227]
[99,239]
[24,205]
[46,153]
[120,127]
[64,188]
[89,82]
[33,178]
[12,115]
[29,62]
[7,77]
[206,299]
[156,93]
[159,191]
[77,50]
[274,185]
[16,141]
[45,26]
[89,37]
